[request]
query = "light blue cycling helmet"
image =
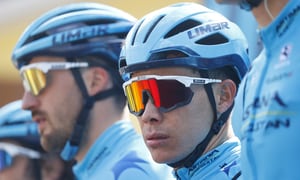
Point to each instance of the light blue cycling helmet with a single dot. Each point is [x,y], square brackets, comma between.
[207,39]
[74,30]
[17,125]
[197,38]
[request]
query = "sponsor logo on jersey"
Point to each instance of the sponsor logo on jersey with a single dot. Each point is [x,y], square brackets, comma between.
[284,57]
[286,21]
[263,102]
[208,159]
[265,125]
[257,115]
[279,77]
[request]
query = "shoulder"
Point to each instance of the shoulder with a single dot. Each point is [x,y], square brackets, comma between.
[135,165]
[222,162]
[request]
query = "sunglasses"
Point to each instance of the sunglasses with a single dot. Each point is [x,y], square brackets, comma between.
[166,92]
[34,76]
[9,151]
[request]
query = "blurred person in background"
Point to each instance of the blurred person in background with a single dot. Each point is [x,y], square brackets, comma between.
[182,65]
[266,115]
[244,20]
[21,155]
[68,60]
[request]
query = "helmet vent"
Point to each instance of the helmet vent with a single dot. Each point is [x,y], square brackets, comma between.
[152,27]
[134,35]
[35,37]
[188,24]
[213,40]
[171,54]
[122,62]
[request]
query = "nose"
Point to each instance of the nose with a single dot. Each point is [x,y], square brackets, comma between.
[30,101]
[151,113]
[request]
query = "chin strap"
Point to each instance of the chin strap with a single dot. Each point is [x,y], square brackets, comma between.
[215,128]
[71,147]
[69,151]
[249,5]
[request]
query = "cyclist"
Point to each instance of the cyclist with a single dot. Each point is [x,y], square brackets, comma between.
[266,116]
[182,65]
[68,60]
[21,155]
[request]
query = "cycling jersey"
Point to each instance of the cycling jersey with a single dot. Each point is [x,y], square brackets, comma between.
[120,154]
[266,116]
[221,163]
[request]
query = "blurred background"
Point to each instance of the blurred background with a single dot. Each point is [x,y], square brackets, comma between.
[15,15]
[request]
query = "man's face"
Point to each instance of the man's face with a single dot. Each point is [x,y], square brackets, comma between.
[56,107]
[172,135]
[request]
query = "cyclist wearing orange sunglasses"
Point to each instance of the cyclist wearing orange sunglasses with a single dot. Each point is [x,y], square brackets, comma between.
[182,65]
[68,61]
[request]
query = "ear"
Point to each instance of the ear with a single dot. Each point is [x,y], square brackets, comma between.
[96,79]
[226,94]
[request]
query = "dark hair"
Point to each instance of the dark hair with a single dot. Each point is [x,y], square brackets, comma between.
[223,73]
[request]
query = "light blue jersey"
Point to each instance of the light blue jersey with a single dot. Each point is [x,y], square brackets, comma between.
[267,113]
[120,154]
[221,163]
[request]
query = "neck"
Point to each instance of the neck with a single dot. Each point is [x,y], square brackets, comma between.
[103,115]
[225,133]
[267,11]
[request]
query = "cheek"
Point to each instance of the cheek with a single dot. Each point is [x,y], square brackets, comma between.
[200,108]
[72,104]
[197,117]
[66,106]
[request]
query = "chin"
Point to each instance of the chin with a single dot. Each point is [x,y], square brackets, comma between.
[45,145]
[161,157]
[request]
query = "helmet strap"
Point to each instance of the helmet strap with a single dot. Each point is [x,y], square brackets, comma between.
[88,103]
[215,128]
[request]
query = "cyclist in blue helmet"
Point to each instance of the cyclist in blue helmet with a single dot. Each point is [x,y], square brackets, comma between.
[68,60]
[266,115]
[182,65]
[21,155]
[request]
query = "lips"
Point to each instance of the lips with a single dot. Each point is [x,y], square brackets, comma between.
[41,121]
[156,140]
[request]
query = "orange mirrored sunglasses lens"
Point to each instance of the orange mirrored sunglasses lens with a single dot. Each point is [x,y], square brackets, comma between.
[134,92]
[165,94]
